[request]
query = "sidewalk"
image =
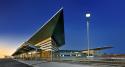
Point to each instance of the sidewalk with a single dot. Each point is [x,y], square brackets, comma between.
[36,63]
[51,64]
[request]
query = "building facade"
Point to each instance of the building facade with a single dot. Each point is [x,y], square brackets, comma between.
[45,43]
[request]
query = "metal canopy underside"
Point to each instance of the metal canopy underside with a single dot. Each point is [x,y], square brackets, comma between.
[24,48]
[100,48]
[53,28]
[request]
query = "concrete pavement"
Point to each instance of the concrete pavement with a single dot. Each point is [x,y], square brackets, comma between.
[66,64]
[12,63]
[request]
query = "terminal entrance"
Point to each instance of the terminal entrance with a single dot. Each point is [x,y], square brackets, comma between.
[46,55]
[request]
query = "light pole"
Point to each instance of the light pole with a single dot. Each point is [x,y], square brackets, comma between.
[87,22]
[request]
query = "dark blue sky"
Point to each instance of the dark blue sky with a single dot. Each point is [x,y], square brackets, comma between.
[19,19]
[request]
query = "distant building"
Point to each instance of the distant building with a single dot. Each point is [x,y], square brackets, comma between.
[80,54]
[8,57]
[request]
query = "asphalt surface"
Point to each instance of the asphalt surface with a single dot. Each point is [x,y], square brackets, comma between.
[36,63]
[11,63]
[14,63]
[100,63]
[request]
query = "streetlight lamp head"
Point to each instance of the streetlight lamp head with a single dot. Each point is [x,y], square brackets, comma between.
[87,15]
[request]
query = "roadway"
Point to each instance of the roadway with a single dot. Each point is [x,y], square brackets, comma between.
[24,63]
[11,63]
[69,64]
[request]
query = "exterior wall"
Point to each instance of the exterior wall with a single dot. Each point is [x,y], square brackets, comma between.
[47,51]
[46,44]
[48,48]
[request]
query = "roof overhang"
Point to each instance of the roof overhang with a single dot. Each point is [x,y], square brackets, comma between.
[53,28]
[100,48]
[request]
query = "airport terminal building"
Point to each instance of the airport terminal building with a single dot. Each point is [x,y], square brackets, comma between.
[45,43]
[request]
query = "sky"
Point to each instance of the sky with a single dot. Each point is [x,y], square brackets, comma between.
[19,19]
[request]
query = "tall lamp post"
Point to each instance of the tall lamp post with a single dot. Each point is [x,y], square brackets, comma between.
[88,41]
